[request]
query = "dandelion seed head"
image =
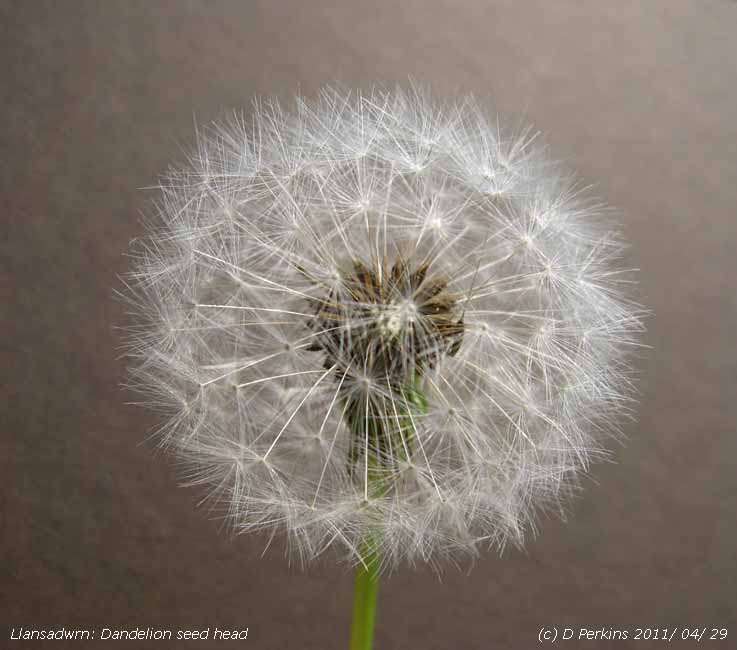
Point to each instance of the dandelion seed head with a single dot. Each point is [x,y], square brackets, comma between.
[377,314]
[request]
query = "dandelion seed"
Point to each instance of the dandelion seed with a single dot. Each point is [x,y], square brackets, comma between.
[379,317]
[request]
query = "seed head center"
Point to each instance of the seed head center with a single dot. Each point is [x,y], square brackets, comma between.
[398,317]
[391,320]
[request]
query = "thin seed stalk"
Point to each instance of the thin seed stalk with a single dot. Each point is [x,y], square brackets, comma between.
[364,599]
[381,437]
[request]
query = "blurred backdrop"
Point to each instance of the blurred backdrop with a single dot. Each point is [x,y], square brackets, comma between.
[99,97]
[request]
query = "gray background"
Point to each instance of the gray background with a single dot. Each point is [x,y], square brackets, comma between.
[97,97]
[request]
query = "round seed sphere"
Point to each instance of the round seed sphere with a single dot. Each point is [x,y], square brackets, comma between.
[378,317]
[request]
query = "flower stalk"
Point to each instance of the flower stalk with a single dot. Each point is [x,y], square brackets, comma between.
[386,445]
[364,599]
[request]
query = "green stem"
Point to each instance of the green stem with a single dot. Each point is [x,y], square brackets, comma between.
[364,601]
[385,442]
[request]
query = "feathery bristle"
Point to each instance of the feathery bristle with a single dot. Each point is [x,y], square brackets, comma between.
[380,290]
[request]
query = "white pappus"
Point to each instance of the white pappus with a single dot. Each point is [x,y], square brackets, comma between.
[380,315]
